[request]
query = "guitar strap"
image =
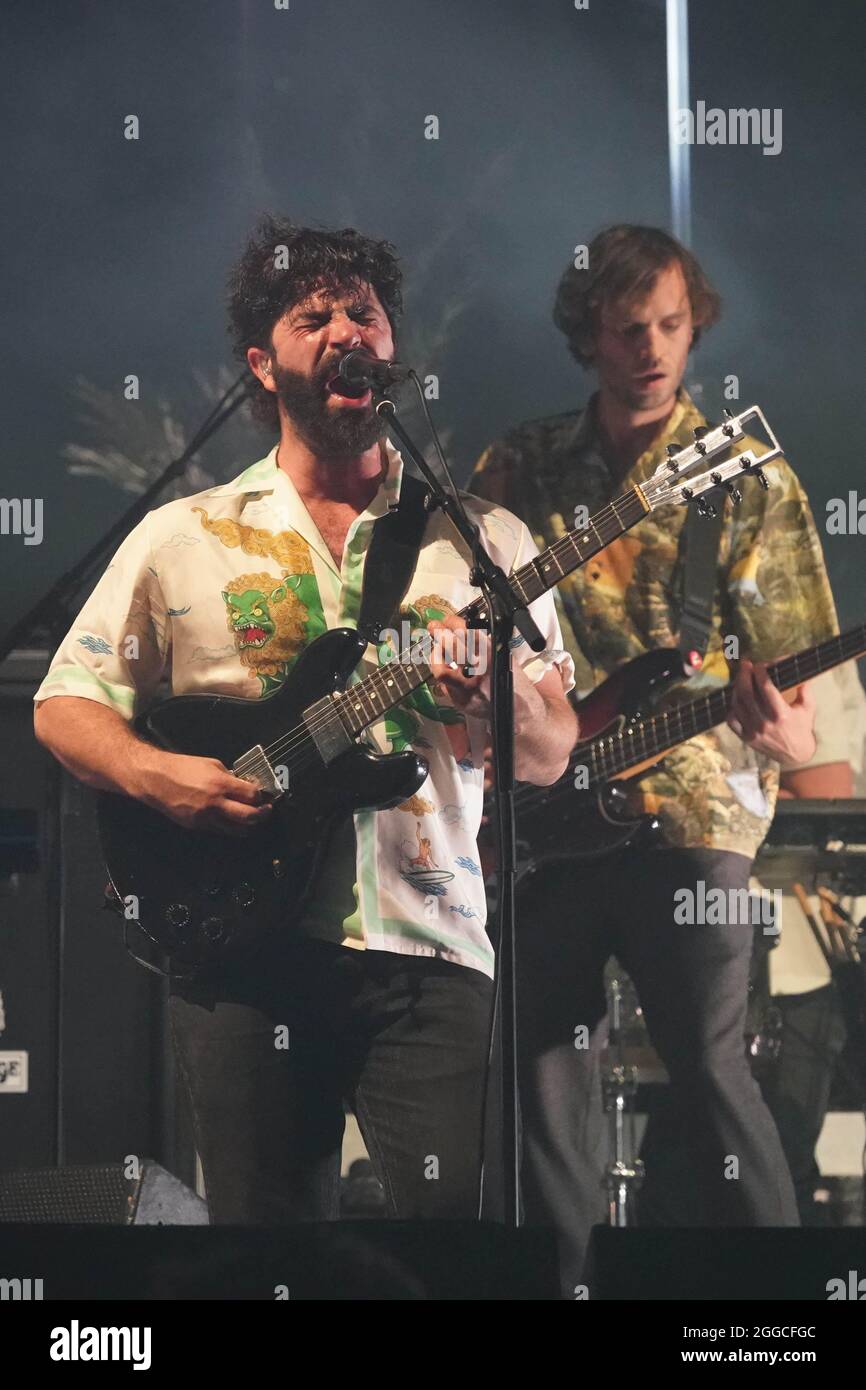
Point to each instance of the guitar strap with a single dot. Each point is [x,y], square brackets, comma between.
[703,534]
[391,559]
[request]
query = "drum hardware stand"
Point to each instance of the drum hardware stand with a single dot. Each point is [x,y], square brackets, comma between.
[625,1172]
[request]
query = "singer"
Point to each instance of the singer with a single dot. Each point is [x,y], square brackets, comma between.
[386,988]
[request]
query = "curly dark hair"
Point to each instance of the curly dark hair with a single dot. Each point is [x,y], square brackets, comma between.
[623,264]
[263,285]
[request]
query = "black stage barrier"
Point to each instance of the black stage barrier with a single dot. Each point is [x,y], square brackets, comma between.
[744,1264]
[380,1260]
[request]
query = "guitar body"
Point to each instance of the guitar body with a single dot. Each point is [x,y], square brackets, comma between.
[205,896]
[584,825]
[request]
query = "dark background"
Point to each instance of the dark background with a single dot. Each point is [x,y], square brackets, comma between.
[553,123]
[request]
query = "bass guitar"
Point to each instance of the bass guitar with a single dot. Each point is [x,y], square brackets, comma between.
[586,814]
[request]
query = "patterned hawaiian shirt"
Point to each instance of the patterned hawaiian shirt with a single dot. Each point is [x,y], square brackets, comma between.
[772,594]
[221,591]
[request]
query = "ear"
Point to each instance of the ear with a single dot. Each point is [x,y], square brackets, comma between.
[261,365]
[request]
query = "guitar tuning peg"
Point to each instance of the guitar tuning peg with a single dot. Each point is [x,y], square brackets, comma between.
[700,431]
[762,479]
[672,449]
[727,413]
[734,493]
[705,508]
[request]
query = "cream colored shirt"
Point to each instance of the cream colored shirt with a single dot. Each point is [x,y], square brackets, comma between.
[221,591]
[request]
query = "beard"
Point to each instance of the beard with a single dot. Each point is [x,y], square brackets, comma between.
[327,430]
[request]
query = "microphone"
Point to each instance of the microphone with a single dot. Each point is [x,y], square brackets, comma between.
[359,370]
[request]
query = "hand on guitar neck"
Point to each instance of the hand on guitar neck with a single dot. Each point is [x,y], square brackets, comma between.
[780,726]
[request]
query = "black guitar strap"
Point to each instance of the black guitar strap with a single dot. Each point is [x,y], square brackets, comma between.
[391,558]
[703,534]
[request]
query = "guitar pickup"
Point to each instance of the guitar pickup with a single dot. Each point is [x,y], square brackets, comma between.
[327,730]
[253,766]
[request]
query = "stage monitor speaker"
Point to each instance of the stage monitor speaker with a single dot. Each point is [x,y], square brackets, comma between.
[756,1264]
[99,1194]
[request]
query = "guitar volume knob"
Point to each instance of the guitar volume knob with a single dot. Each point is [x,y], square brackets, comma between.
[177,915]
[244,895]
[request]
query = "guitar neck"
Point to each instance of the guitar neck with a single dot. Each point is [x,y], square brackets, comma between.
[574,549]
[368,699]
[609,756]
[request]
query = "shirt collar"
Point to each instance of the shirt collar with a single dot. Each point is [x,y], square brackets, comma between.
[679,427]
[266,477]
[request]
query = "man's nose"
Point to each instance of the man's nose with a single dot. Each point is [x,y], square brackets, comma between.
[344,332]
[650,346]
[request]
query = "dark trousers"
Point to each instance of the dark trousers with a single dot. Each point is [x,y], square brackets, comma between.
[692,981]
[268,1058]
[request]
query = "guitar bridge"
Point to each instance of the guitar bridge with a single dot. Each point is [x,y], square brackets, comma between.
[253,766]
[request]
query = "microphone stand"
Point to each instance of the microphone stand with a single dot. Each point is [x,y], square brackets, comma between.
[506,613]
[53,613]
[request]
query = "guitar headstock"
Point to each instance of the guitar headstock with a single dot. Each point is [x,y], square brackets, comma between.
[699,467]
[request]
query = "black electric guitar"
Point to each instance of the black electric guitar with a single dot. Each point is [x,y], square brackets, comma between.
[202,896]
[586,814]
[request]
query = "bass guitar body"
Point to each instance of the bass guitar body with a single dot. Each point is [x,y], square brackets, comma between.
[204,896]
[566,823]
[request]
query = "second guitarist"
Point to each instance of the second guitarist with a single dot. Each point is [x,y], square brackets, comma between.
[713,1156]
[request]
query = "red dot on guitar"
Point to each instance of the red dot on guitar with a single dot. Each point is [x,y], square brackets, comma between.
[696,660]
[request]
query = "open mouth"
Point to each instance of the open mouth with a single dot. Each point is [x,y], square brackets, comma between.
[343,391]
[251,635]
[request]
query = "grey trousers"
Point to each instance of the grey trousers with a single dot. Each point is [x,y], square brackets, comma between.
[712,1152]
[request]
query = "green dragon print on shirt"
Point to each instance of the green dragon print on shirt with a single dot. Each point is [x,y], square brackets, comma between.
[402,725]
[272,620]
